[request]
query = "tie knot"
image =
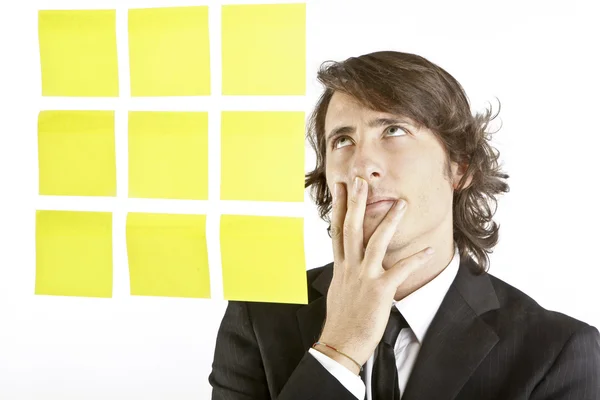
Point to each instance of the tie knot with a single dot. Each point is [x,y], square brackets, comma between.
[394,326]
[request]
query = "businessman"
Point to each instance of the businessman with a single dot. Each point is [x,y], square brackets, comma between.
[405,176]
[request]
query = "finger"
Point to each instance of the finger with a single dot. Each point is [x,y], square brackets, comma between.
[403,268]
[353,223]
[380,239]
[337,221]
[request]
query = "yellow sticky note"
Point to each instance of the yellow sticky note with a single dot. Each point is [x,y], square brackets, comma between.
[76,151]
[78,53]
[264,49]
[74,253]
[262,156]
[168,155]
[263,259]
[169,51]
[167,255]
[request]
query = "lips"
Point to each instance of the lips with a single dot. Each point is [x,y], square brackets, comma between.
[378,199]
[379,205]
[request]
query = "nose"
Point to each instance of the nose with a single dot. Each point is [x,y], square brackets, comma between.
[367,164]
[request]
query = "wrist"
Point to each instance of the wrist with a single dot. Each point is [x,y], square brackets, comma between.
[340,358]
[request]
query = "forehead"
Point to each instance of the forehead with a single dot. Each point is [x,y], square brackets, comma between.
[345,109]
[342,105]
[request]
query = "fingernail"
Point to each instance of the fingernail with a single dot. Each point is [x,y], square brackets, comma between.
[429,251]
[358,182]
[401,203]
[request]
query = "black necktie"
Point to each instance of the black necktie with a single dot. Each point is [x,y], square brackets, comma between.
[384,380]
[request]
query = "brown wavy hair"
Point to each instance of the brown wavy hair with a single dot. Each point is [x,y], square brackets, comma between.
[409,85]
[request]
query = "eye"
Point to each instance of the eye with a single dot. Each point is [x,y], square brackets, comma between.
[341,141]
[396,130]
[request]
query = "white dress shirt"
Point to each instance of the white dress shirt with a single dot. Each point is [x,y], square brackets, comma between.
[418,308]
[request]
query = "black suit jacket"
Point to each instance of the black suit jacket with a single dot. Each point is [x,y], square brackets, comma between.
[488,340]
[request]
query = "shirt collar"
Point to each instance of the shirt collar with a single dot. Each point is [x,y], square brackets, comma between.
[419,307]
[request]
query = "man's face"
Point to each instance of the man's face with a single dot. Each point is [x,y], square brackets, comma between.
[397,161]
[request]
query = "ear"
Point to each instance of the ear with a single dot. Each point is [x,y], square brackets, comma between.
[458,171]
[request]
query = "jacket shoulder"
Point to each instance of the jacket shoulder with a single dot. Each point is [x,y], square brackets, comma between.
[517,309]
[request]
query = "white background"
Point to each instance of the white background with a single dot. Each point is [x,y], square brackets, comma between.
[538,57]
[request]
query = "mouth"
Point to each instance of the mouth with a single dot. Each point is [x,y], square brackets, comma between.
[376,205]
[378,199]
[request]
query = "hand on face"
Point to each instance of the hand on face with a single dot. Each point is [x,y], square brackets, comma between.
[361,292]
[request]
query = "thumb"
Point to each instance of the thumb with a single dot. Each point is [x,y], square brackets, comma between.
[407,266]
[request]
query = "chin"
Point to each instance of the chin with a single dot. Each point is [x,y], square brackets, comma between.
[370,225]
[399,241]
[395,243]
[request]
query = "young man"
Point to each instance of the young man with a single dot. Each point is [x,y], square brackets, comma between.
[404,167]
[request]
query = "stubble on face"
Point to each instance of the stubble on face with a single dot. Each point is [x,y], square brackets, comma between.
[430,208]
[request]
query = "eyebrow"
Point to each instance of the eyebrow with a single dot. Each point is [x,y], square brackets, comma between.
[374,123]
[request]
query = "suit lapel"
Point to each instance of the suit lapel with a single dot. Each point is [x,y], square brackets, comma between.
[457,339]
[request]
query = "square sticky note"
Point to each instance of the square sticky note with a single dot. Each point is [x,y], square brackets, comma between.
[168,155]
[264,49]
[74,253]
[169,51]
[167,255]
[76,151]
[78,53]
[262,156]
[263,259]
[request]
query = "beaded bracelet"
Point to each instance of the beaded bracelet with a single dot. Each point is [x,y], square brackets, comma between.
[336,350]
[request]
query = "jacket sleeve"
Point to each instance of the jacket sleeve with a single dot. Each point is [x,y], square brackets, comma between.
[575,373]
[238,371]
